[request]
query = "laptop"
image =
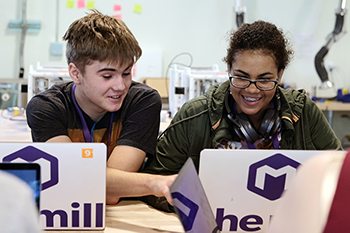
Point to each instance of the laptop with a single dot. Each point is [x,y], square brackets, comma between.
[29,173]
[73,182]
[191,203]
[245,186]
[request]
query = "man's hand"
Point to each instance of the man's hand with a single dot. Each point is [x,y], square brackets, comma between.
[160,186]
[134,184]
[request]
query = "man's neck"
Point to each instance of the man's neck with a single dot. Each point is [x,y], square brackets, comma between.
[84,105]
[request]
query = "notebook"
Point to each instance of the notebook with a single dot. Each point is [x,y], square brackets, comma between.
[29,173]
[190,202]
[244,186]
[73,182]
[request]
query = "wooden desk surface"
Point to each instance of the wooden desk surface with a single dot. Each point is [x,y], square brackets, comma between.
[136,216]
[333,106]
[14,128]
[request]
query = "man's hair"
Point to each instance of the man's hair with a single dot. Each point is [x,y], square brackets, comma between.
[98,37]
[263,36]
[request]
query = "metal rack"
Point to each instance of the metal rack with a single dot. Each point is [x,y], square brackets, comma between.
[189,82]
[44,77]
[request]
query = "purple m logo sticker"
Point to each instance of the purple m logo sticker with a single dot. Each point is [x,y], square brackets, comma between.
[31,154]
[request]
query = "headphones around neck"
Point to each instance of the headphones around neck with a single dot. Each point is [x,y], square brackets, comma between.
[245,129]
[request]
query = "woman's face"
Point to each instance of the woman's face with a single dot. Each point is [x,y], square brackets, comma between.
[253,65]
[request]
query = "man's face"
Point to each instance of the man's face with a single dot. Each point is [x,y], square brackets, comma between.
[102,88]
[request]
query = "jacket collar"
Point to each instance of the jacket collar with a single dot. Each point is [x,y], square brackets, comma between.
[293,102]
[216,103]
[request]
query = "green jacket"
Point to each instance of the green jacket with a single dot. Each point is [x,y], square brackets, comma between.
[202,123]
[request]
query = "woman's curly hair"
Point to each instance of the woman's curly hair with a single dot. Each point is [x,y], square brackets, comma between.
[263,36]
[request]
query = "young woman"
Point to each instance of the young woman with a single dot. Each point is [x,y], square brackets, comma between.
[248,111]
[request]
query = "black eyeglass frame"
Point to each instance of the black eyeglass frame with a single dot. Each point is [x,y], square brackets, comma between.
[251,81]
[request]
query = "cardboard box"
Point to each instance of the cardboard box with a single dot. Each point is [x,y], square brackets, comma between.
[160,84]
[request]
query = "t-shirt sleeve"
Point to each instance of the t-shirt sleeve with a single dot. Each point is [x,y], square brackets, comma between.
[140,120]
[45,119]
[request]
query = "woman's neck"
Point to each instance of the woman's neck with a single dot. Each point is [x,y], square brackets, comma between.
[257,119]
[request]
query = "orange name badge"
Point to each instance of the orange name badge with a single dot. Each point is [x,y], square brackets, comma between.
[87,153]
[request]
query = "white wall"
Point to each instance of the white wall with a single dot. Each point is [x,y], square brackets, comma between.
[307,24]
[198,27]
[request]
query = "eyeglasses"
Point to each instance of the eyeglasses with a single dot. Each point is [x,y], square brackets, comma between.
[261,84]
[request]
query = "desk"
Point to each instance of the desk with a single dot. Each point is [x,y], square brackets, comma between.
[331,106]
[164,124]
[136,216]
[14,128]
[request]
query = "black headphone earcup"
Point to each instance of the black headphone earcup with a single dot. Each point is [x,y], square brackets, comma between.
[270,124]
[247,128]
[237,128]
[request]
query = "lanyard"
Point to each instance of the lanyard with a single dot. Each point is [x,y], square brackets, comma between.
[276,144]
[87,135]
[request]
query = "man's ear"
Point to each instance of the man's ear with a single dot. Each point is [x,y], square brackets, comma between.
[74,73]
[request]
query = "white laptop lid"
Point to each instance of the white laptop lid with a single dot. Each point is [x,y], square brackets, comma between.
[190,202]
[244,186]
[73,176]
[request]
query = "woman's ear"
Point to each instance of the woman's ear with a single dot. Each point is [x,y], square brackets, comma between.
[74,73]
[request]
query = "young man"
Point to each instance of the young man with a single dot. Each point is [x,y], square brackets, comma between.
[103,104]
